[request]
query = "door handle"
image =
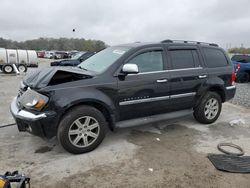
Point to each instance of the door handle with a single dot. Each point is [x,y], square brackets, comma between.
[162,81]
[202,76]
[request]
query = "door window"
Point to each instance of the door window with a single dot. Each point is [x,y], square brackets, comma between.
[149,61]
[215,58]
[182,59]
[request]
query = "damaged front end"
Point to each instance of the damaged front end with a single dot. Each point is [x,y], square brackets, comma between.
[29,107]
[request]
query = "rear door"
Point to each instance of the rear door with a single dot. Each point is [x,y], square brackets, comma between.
[147,92]
[187,75]
[218,65]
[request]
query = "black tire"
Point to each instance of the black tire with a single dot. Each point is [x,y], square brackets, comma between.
[243,77]
[199,110]
[22,68]
[7,69]
[67,122]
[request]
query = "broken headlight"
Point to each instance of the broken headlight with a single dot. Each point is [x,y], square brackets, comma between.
[33,100]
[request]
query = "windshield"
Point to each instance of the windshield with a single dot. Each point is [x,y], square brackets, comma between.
[103,59]
[77,55]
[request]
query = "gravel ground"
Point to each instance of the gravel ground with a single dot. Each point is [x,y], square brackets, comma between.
[242,96]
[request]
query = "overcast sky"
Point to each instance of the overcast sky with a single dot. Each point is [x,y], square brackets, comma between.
[122,21]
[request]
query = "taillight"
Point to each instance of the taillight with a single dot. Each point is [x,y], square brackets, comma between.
[237,67]
[233,78]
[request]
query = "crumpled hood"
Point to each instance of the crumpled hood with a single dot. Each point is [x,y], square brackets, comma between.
[42,77]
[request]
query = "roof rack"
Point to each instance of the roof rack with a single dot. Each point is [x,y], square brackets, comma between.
[189,42]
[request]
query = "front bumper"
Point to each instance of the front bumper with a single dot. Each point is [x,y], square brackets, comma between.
[41,124]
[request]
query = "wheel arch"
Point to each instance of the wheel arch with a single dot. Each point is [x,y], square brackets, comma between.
[213,88]
[106,111]
[219,90]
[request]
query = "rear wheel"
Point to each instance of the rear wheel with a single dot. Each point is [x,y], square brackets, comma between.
[7,69]
[82,129]
[209,108]
[22,68]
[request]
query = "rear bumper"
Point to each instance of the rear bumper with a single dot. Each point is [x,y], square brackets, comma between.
[41,124]
[230,92]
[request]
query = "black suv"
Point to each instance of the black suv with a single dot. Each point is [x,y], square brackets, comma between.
[120,86]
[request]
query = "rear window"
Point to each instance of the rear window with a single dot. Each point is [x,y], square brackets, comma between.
[241,58]
[215,58]
[182,59]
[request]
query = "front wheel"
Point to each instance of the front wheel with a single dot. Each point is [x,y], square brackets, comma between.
[209,108]
[82,129]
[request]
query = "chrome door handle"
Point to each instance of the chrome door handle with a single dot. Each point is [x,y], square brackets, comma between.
[162,81]
[203,76]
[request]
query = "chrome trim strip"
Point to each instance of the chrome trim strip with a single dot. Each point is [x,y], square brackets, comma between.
[195,68]
[144,100]
[230,87]
[148,72]
[182,95]
[156,99]
[23,114]
[173,70]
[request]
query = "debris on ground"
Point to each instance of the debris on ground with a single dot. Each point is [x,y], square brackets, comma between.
[239,123]
[230,163]
[151,169]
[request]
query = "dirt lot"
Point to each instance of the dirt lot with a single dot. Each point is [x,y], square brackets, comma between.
[166,154]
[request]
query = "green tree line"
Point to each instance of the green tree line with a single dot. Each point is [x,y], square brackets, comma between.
[239,50]
[64,44]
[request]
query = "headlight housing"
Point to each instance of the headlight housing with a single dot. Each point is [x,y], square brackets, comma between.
[33,100]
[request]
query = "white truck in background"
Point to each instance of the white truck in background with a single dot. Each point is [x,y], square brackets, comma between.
[16,58]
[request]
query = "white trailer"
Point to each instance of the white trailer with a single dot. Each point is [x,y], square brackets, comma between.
[11,59]
[32,58]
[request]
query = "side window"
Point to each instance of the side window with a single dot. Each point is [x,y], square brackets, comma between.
[148,61]
[215,58]
[182,59]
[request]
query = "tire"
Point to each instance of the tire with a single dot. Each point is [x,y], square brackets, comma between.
[209,108]
[243,77]
[7,69]
[74,128]
[22,68]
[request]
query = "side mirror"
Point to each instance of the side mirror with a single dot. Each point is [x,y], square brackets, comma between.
[130,69]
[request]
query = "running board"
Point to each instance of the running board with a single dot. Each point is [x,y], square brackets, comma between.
[152,119]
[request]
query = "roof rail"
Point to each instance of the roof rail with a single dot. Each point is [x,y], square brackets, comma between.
[189,42]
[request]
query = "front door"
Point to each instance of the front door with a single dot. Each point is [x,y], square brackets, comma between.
[147,92]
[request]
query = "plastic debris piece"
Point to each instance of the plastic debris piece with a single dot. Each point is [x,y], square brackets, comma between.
[239,122]
[151,169]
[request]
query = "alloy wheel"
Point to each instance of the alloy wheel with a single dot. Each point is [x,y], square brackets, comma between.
[211,108]
[84,131]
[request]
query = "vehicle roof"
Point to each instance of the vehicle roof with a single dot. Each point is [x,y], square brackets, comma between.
[181,43]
